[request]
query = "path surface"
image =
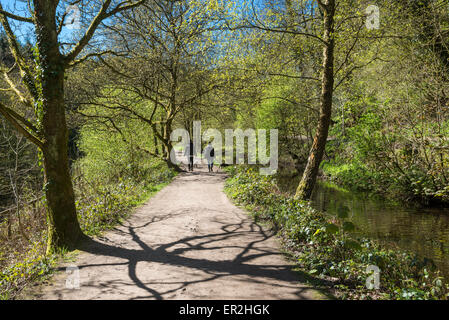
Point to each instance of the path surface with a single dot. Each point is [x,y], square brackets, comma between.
[188,242]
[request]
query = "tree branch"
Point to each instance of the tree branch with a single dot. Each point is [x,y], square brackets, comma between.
[102,15]
[14,46]
[15,17]
[90,55]
[6,112]
[19,94]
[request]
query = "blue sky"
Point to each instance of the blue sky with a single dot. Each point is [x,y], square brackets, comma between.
[21,29]
[25,31]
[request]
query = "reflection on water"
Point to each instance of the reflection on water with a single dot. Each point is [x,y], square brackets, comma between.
[423,231]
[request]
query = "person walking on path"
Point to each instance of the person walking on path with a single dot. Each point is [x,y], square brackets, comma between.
[189,154]
[209,154]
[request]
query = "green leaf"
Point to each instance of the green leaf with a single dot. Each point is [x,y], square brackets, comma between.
[343,212]
[351,244]
[348,226]
[331,228]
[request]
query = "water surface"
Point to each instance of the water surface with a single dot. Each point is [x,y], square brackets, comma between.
[424,231]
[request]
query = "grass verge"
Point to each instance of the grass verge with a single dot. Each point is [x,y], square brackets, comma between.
[325,249]
[99,209]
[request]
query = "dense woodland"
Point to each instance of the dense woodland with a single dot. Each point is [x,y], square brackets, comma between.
[86,114]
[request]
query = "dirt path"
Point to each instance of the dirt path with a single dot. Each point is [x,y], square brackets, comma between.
[188,242]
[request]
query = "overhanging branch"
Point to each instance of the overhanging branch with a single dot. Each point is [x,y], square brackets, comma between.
[14,16]
[102,15]
[10,117]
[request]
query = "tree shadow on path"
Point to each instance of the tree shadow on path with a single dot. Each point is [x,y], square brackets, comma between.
[179,253]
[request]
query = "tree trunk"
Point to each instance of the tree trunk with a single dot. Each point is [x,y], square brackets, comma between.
[305,187]
[162,134]
[169,146]
[156,145]
[9,225]
[63,227]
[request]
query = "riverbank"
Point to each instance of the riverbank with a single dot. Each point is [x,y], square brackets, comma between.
[359,178]
[396,225]
[324,248]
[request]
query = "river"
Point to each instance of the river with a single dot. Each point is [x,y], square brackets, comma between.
[424,231]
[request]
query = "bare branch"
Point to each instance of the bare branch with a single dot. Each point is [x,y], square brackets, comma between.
[102,15]
[14,47]
[93,54]
[9,115]
[15,17]
[19,94]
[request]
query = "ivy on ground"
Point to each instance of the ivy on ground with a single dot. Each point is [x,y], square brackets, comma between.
[324,247]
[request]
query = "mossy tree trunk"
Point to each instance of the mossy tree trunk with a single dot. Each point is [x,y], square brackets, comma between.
[307,183]
[43,79]
[63,227]
[169,145]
